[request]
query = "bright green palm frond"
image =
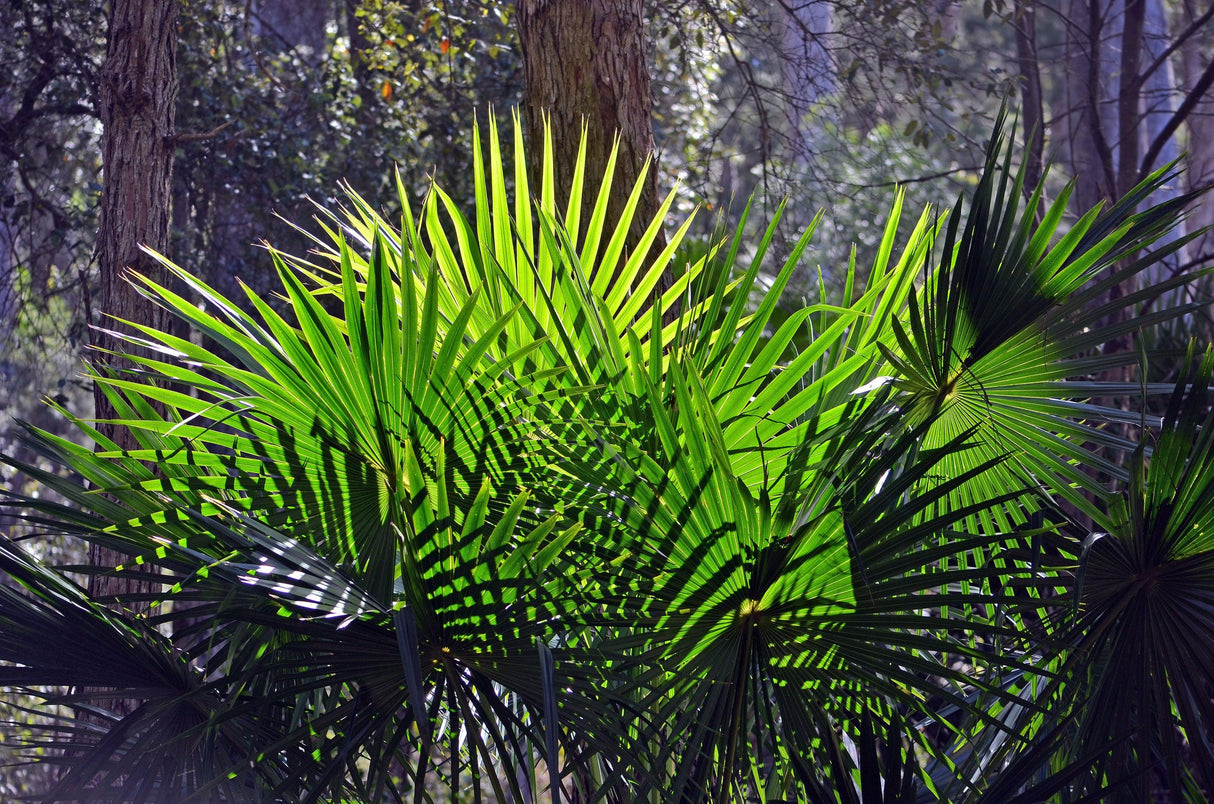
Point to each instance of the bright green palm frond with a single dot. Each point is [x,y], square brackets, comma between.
[579,303]
[774,387]
[510,253]
[720,594]
[314,422]
[779,619]
[327,500]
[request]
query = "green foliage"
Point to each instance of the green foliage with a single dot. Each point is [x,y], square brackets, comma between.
[475,510]
[273,123]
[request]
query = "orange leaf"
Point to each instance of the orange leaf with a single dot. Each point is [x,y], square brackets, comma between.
[386,91]
[446,45]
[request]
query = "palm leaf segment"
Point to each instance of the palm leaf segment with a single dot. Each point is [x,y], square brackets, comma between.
[471,493]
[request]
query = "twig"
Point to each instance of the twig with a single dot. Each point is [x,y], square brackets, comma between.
[210,135]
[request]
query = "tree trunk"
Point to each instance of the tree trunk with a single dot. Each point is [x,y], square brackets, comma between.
[138,91]
[1198,52]
[1161,95]
[8,258]
[1128,116]
[298,25]
[1032,105]
[1087,147]
[584,65]
[808,69]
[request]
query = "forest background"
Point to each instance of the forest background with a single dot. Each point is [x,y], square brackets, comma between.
[272,105]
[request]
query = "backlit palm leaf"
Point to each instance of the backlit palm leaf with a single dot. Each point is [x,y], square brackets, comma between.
[1005,340]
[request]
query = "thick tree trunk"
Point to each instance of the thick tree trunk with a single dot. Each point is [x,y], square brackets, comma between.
[138,90]
[584,65]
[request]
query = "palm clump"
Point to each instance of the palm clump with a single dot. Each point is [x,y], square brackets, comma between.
[476,509]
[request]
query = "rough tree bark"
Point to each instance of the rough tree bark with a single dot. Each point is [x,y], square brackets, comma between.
[584,64]
[138,91]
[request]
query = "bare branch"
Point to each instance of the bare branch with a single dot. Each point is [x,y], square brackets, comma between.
[1179,116]
[210,135]
[1180,39]
[920,179]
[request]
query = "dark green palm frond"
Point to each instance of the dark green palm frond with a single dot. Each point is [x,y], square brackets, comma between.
[179,732]
[459,652]
[1141,662]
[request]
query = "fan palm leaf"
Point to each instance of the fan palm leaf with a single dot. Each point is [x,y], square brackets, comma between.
[1142,671]
[1005,338]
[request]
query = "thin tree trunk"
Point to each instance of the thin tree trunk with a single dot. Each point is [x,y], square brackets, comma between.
[809,71]
[584,65]
[1198,53]
[8,259]
[138,91]
[298,25]
[1032,110]
[1161,94]
[1128,113]
[1088,153]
